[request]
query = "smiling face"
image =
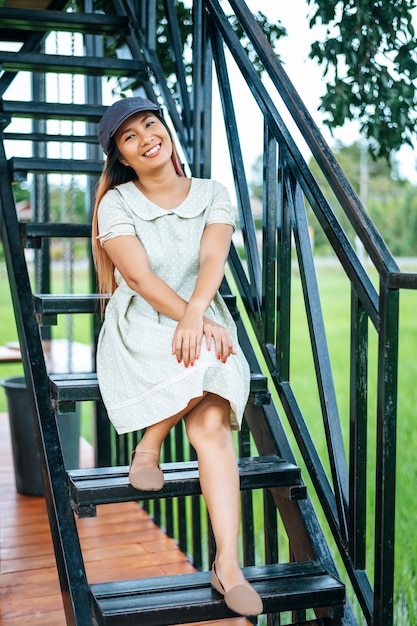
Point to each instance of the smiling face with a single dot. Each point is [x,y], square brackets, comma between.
[144,142]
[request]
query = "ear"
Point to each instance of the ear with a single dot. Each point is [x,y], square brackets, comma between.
[123,161]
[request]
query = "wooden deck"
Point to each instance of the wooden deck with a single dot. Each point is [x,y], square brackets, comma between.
[122,542]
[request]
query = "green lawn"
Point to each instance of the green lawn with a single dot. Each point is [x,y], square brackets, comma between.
[335,300]
[335,297]
[335,293]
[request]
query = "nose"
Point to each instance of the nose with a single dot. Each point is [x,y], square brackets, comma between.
[145,139]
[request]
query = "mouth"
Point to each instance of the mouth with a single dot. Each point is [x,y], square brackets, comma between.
[152,151]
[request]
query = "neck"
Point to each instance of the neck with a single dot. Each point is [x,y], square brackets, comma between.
[166,188]
[158,181]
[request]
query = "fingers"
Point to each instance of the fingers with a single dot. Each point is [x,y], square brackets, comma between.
[220,336]
[224,347]
[186,346]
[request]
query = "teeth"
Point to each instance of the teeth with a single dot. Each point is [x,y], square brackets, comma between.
[152,150]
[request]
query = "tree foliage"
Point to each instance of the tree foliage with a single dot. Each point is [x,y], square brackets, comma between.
[368,54]
[66,198]
[369,59]
[370,67]
[390,200]
[184,17]
[184,14]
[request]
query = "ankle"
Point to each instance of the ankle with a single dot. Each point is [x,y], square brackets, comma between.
[228,571]
[148,449]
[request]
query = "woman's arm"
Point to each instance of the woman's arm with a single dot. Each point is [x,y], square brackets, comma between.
[130,257]
[214,250]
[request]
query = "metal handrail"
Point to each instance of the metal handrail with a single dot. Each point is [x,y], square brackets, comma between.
[344,498]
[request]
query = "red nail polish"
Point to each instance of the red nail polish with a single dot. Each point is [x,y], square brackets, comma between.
[192,363]
[224,360]
[179,360]
[218,356]
[186,364]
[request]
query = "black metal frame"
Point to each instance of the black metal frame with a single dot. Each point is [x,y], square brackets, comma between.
[342,498]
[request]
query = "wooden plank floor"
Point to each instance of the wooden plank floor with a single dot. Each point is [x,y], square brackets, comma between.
[122,542]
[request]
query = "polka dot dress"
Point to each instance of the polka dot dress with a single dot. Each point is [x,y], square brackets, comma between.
[140,380]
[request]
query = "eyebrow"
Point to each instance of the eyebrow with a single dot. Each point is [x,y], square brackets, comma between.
[143,119]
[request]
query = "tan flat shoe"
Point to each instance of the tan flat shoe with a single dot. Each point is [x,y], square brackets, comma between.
[148,478]
[242,599]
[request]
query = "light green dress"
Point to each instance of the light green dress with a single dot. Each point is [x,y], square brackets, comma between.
[140,380]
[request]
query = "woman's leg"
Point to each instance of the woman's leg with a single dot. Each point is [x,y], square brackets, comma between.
[207,422]
[145,473]
[209,431]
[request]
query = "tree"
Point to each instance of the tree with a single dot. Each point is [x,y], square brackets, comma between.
[368,56]
[65,198]
[370,67]
[390,200]
[369,62]
[21,191]
[184,16]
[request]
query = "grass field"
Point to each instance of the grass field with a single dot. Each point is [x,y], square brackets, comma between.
[335,293]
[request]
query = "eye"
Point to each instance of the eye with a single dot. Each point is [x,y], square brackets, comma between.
[149,123]
[129,136]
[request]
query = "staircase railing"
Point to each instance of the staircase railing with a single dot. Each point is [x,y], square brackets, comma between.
[266,292]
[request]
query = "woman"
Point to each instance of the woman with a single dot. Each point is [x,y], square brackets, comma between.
[168,348]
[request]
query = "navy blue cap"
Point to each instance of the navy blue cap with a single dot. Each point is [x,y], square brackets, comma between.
[118,113]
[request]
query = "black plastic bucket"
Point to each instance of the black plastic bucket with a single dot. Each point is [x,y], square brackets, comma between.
[26,465]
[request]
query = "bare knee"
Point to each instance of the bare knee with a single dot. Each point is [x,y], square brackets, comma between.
[209,421]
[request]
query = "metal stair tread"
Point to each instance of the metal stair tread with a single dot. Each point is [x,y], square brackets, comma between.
[32,233]
[22,165]
[53,110]
[48,138]
[105,485]
[66,389]
[153,601]
[44,20]
[47,304]
[90,66]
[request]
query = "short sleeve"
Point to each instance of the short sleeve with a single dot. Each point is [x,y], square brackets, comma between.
[114,217]
[220,210]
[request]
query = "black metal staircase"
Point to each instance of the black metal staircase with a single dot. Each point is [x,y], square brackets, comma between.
[309,587]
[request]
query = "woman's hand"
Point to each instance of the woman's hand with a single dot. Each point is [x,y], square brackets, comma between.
[186,342]
[222,339]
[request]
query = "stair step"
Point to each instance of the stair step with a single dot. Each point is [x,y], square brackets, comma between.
[48,138]
[106,485]
[49,306]
[32,233]
[68,389]
[44,21]
[53,110]
[20,166]
[190,598]
[67,64]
